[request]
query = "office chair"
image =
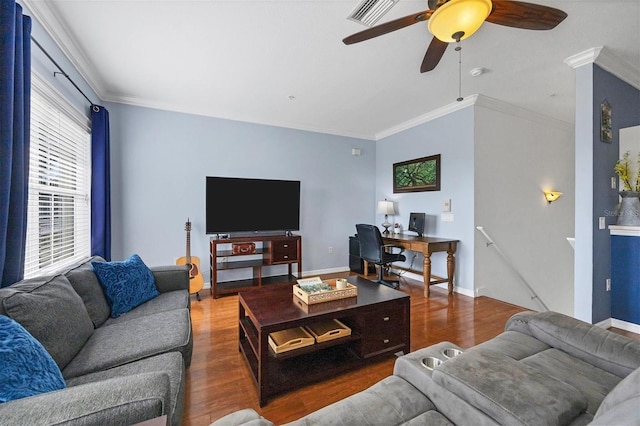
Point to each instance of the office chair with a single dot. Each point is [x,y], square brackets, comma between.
[374,250]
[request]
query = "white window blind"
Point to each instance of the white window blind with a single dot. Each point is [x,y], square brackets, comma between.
[59,213]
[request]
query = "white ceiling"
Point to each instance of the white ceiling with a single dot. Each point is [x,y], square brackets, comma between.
[282,62]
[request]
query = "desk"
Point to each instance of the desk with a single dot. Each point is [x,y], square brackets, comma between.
[426,246]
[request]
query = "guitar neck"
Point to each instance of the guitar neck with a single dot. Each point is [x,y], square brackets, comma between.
[188,247]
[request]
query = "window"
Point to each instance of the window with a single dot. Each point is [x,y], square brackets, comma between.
[59,214]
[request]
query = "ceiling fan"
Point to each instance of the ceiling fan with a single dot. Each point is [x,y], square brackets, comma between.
[455,20]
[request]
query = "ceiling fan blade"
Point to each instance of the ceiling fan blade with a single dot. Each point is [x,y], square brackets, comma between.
[528,16]
[388,27]
[434,54]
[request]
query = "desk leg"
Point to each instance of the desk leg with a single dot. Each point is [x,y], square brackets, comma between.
[366,267]
[426,273]
[451,266]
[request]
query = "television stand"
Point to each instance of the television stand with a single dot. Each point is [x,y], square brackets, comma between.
[270,250]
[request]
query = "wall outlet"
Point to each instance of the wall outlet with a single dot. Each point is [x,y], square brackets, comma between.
[602,223]
[614,183]
[608,284]
[330,250]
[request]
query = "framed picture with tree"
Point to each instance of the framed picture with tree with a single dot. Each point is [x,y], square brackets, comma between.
[421,174]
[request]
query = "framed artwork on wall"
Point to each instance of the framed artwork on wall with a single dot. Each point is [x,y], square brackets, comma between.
[606,134]
[421,174]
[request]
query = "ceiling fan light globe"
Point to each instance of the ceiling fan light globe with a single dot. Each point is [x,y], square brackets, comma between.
[456,16]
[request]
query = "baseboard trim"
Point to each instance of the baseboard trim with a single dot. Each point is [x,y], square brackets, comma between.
[622,325]
[418,277]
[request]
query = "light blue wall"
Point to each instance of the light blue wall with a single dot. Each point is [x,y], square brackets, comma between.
[625,106]
[160,160]
[451,136]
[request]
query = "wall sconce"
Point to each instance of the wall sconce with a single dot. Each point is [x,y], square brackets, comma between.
[551,196]
[386,208]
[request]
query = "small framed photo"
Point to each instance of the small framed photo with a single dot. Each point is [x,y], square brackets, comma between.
[421,174]
[606,134]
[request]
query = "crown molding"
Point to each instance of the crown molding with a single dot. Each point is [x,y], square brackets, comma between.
[609,62]
[49,20]
[430,116]
[583,58]
[186,109]
[483,102]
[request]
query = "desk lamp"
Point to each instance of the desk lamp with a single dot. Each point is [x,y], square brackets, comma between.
[386,208]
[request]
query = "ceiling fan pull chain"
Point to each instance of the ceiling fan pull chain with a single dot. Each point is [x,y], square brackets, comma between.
[459,49]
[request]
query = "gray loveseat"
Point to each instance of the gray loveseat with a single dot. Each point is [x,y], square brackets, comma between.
[118,371]
[544,369]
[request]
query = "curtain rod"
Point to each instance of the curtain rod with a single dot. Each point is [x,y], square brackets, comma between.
[94,106]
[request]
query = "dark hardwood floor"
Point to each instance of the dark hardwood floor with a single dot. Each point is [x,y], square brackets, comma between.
[219,382]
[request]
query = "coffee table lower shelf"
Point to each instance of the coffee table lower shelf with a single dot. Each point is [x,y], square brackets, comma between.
[302,368]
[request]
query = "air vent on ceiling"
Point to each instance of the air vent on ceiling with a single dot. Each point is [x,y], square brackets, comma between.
[367,12]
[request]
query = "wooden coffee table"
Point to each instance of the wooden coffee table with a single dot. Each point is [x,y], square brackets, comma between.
[379,318]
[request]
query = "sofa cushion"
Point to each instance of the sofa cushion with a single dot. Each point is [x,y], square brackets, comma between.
[493,383]
[593,382]
[391,401]
[514,345]
[610,351]
[164,302]
[127,284]
[52,312]
[622,405]
[121,343]
[27,368]
[86,284]
[170,364]
[430,418]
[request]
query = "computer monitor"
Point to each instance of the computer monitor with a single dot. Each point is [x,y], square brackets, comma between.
[416,223]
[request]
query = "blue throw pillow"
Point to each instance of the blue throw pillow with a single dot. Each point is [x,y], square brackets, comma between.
[126,284]
[27,368]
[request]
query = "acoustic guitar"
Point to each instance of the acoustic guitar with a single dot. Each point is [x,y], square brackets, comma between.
[196,282]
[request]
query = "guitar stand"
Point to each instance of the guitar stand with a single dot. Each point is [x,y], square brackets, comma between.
[198,296]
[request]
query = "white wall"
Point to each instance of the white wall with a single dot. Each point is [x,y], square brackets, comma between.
[160,160]
[518,156]
[583,268]
[451,136]
[46,69]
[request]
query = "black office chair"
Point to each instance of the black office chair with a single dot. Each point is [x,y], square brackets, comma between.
[374,250]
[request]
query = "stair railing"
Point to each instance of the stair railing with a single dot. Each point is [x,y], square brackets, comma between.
[490,242]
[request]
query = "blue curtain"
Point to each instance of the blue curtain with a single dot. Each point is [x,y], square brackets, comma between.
[100,183]
[15,107]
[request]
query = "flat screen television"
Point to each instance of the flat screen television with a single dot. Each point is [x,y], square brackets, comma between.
[239,205]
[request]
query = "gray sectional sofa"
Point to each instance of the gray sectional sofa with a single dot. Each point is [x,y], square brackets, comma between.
[118,371]
[544,369]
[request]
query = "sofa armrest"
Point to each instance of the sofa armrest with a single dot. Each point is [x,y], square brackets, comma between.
[520,322]
[122,400]
[171,277]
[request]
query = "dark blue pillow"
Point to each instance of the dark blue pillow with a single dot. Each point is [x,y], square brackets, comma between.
[126,284]
[27,368]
